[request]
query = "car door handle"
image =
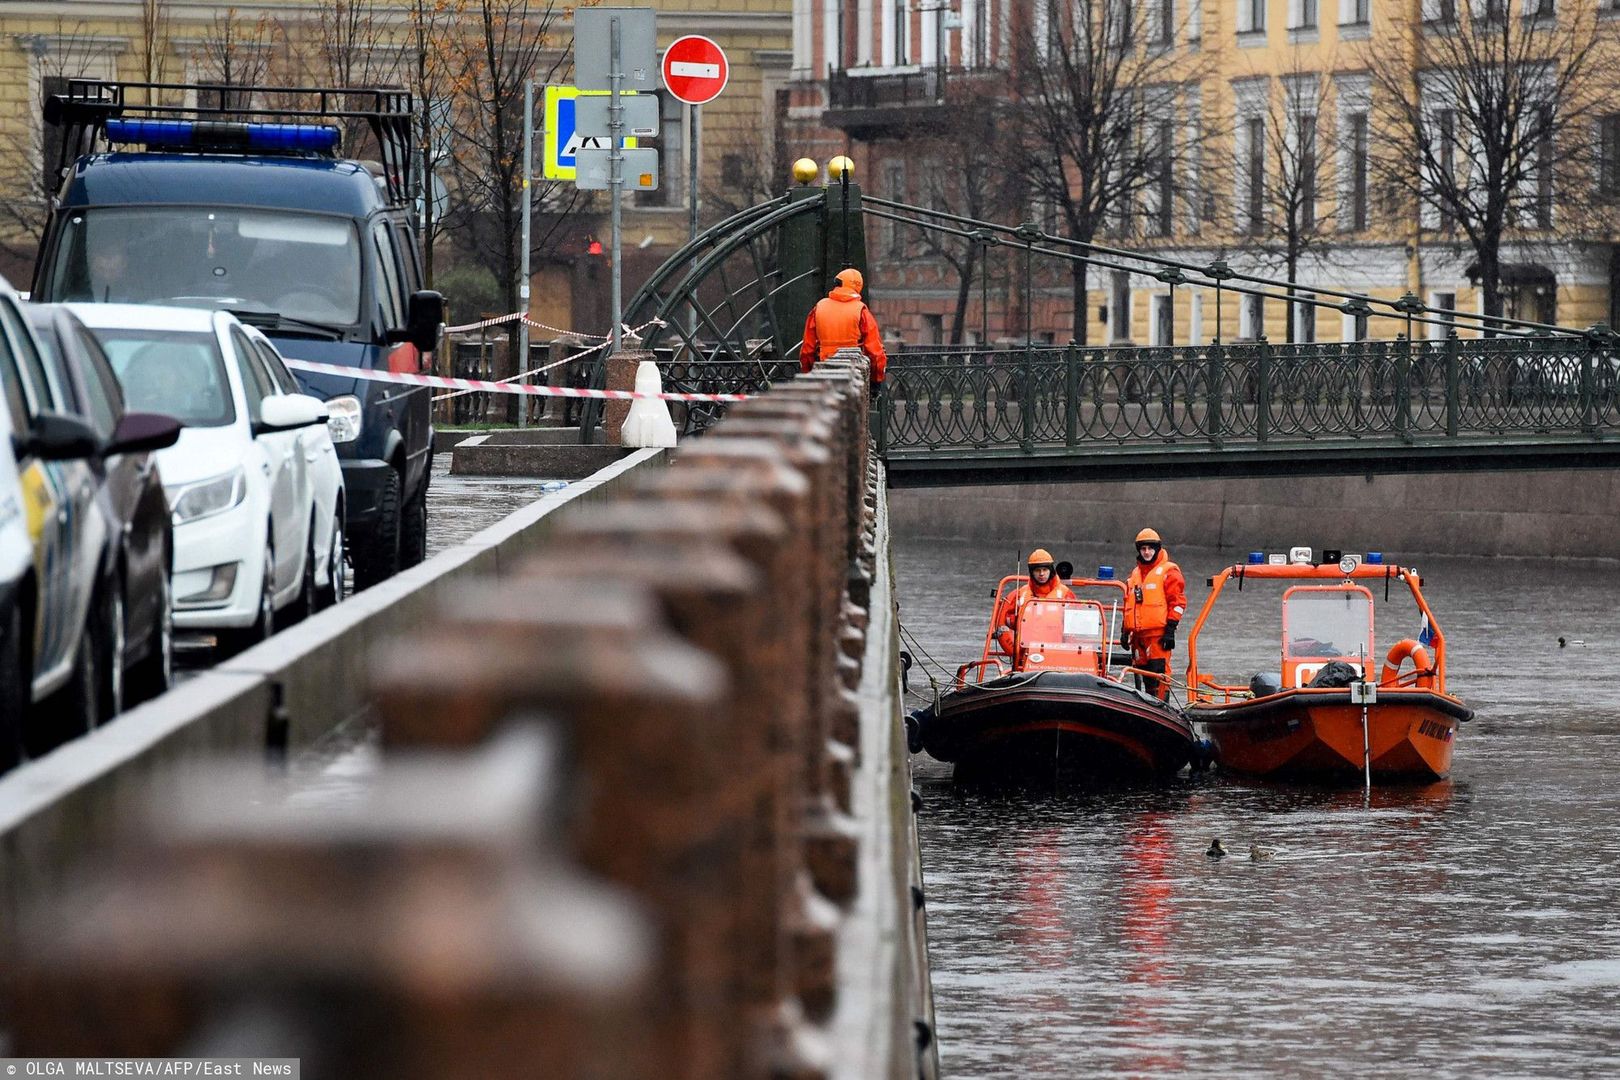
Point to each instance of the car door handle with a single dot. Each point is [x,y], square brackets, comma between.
[266,467]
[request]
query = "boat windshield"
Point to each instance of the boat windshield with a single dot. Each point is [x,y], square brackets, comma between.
[301,265]
[1327,624]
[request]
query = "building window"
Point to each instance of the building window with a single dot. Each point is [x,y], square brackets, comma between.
[1164,181]
[1358,171]
[902,33]
[1305,319]
[1166,30]
[1445,150]
[1439,304]
[1444,12]
[1609,155]
[1307,15]
[933,330]
[1119,308]
[1254,317]
[1355,12]
[1307,172]
[1254,197]
[894,187]
[1251,16]
[1544,168]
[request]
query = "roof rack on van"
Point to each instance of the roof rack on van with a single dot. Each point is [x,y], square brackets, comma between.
[225,118]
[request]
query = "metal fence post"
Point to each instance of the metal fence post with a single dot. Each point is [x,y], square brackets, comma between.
[1217,365]
[1262,392]
[1026,399]
[1453,386]
[880,417]
[1403,390]
[1588,389]
[1071,392]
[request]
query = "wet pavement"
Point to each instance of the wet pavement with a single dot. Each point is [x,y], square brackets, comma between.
[1467,928]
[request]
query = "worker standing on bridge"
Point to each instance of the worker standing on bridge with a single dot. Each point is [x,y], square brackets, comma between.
[1155,601]
[840,321]
[1043,584]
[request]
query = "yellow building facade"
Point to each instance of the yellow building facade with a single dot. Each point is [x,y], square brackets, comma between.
[1241,86]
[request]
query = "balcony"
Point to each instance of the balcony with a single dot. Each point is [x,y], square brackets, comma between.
[885,103]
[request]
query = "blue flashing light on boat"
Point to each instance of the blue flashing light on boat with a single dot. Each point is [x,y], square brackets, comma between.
[318,137]
[1105,573]
[1256,558]
[1375,558]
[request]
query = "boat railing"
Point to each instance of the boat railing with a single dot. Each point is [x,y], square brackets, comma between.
[973,674]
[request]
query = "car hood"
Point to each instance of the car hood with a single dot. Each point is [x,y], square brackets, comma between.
[200,453]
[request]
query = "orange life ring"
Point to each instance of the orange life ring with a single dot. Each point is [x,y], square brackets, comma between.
[1398,652]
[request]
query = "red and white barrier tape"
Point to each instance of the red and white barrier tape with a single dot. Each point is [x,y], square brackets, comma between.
[497,387]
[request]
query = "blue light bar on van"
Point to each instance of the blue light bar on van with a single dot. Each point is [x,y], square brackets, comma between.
[209,133]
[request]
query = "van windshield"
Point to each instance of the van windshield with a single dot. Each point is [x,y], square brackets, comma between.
[303,266]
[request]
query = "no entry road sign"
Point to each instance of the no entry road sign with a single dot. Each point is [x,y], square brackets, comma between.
[695,69]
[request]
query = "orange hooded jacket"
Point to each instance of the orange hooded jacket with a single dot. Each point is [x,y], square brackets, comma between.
[840,321]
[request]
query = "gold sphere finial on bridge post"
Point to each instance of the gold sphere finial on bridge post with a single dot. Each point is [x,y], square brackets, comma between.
[840,168]
[805,170]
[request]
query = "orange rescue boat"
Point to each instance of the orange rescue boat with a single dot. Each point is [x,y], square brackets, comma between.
[1336,711]
[1062,702]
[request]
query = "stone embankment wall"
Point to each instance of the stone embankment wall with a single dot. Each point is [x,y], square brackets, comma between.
[1532,513]
[642,810]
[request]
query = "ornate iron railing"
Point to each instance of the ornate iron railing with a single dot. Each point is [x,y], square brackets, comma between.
[717,377]
[1047,397]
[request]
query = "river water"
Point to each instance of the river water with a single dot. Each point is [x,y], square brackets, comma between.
[1468,928]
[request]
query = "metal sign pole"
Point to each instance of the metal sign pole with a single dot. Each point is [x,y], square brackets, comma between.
[523,280]
[615,170]
[696,113]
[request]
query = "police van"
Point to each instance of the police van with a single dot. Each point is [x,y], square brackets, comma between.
[206,195]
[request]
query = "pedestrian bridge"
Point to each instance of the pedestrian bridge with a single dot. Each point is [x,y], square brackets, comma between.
[1454,390]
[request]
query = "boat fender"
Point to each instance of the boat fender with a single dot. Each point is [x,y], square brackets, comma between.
[905,670]
[1398,652]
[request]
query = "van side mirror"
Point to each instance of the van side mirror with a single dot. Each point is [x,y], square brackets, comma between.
[424,315]
[55,436]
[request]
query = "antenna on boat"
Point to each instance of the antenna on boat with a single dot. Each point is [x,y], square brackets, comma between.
[1364,691]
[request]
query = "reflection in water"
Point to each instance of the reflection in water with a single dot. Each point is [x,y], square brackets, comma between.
[1462,929]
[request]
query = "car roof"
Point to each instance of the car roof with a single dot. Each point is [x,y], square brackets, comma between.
[147,316]
[205,179]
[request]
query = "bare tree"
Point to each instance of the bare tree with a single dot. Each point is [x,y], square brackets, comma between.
[236,50]
[1477,124]
[507,43]
[1096,82]
[967,177]
[153,41]
[1292,224]
[29,151]
[430,73]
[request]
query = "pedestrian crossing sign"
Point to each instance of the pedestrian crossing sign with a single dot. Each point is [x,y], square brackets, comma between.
[562,141]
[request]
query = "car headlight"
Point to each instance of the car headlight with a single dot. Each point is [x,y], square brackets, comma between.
[188,502]
[343,418]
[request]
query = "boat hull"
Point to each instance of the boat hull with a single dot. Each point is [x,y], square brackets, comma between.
[1067,723]
[1316,735]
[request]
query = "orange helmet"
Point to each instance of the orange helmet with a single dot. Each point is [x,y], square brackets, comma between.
[1040,557]
[1148,536]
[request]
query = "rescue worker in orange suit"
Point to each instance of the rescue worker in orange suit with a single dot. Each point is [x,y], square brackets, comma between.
[1155,601]
[842,320]
[1043,584]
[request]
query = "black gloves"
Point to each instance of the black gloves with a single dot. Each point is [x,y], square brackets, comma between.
[1168,640]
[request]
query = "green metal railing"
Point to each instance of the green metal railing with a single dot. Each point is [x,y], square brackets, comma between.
[1045,397]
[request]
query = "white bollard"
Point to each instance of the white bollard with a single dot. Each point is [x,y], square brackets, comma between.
[648,423]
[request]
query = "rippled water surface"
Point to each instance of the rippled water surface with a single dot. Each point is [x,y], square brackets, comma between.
[1468,928]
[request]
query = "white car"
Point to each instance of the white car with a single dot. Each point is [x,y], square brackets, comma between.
[251,536]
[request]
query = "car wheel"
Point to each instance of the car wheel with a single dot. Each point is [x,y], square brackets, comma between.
[153,675]
[413,531]
[332,592]
[112,644]
[306,604]
[14,685]
[80,700]
[377,559]
[265,623]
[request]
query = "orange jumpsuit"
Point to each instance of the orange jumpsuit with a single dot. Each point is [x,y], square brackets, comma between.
[1155,597]
[1007,613]
[841,321]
